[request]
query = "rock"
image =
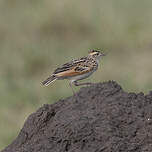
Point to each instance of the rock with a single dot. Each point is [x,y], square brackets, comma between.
[103,118]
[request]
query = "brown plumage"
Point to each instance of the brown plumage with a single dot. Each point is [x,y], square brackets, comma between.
[76,69]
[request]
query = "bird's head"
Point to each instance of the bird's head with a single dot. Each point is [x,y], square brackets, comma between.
[96,54]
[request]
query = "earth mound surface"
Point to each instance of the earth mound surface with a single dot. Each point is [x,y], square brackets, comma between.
[103,118]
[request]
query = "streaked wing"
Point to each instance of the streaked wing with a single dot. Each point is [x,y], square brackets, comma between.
[69,66]
[74,71]
[83,69]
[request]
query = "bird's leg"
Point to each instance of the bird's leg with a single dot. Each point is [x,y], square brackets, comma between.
[79,84]
[70,84]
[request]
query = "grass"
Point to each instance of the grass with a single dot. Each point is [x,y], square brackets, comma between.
[37,36]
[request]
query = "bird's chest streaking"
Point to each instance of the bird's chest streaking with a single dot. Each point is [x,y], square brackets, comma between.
[78,69]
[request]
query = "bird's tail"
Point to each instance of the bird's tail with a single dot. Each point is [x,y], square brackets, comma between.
[49,80]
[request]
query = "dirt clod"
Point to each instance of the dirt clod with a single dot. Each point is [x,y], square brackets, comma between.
[104,119]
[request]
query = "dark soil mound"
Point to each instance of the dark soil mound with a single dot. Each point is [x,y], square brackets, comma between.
[104,119]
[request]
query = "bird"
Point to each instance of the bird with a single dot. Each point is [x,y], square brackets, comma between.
[76,69]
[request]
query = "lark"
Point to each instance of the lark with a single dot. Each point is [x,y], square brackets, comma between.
[76,69]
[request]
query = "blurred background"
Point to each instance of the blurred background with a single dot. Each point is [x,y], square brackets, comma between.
[37,36]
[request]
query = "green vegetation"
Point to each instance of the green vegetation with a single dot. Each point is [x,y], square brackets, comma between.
[37,36]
